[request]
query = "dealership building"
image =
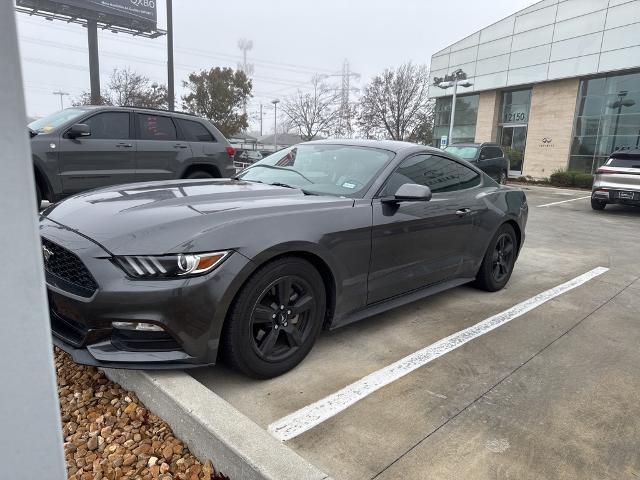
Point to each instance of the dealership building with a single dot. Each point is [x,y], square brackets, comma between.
[556,84]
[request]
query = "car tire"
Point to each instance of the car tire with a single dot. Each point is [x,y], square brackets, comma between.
[499,260]
[504,177]
[598,204]
[199,174]
[275,318]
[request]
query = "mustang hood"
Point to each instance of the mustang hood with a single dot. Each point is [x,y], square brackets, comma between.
[170,217]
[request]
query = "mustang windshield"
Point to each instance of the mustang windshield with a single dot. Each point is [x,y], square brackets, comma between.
[342,170]
[53,121]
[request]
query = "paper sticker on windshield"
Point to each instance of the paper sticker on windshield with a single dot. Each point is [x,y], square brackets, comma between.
[348,185]
[47,129]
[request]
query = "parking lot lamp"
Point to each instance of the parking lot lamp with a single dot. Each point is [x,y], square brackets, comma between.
[457,78]
[275,124]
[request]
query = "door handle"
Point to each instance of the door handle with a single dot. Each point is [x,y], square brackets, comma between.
[463,212]
[179,146]
[124,145]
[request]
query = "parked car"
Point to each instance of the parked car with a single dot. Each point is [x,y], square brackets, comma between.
[618,180]
[250,156]
[319,235]
[83,148]
[488,157]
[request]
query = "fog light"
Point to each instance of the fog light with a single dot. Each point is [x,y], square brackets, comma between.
[601,193]
[140,326]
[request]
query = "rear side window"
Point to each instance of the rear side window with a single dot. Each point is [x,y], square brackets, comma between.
[195,131]
[493,152]
[109,126]
[156,127]
[631,161]
[438,173]
[467,178]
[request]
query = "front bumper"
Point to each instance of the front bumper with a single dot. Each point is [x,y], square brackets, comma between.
[191,311]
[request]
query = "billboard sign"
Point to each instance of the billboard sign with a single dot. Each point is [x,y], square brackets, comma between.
[135,14]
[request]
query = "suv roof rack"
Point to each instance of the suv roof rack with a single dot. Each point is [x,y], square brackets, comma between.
[159,110]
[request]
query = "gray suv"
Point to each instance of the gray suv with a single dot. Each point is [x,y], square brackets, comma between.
[82,148]
[488,157]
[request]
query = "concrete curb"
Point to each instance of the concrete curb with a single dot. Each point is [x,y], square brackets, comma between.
[213,429]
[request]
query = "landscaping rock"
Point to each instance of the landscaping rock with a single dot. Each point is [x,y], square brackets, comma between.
[109,434]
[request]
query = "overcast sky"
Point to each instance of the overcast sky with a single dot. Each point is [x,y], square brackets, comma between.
[293,39]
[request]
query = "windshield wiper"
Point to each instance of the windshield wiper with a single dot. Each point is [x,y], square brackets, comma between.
[273,167]
[32,133]
[306,192]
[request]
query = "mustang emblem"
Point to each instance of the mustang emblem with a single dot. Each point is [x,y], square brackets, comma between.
[47,254]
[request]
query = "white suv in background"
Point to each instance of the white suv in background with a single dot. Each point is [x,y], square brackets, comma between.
[618,180]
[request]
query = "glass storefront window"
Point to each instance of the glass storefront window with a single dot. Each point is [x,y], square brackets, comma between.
[464,128]
[607,120]
[515,107]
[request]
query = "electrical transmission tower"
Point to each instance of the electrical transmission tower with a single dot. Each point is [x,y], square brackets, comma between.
[344,128]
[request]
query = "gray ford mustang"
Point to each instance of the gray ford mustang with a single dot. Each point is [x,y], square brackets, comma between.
[320,235]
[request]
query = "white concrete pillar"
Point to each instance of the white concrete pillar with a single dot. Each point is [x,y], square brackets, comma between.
[30,430]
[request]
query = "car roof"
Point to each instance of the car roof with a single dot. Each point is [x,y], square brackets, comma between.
[472,144]
[391,145]
[625,153]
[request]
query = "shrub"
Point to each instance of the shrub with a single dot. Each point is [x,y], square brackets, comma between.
[563,178]
[583,180]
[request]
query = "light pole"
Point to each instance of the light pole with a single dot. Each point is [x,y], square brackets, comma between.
[275,124]
[618,105]
[456,78]
[62,94]
[171,93]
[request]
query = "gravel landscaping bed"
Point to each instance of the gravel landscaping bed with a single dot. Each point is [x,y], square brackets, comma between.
[110,435]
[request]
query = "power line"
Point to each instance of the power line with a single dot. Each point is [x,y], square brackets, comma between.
[270,64]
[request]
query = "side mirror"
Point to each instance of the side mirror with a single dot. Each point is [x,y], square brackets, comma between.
[79,130]
[411,192]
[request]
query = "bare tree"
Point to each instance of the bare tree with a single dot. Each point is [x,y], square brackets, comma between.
[395,104]
[127,87]
[315,112]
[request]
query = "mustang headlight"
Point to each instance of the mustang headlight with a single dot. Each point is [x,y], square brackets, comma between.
[170,266]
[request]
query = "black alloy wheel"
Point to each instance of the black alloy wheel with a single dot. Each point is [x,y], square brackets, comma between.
[502,260]
[499,260]
[280,321]
[275,318]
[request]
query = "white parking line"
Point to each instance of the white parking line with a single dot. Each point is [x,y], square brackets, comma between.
[308,417]
[564,201]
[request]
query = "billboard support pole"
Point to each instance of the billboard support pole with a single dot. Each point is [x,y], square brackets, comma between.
[170,73]
[94,62]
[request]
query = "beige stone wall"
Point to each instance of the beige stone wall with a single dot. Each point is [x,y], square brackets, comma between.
[488,112]
[553,106]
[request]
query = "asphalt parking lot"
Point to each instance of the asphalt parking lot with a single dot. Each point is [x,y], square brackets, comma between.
[551,393]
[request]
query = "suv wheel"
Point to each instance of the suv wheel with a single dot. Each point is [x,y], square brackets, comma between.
[598,204]
[199,174]
[275,319]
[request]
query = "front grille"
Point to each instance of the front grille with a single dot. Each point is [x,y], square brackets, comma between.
[66,266]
